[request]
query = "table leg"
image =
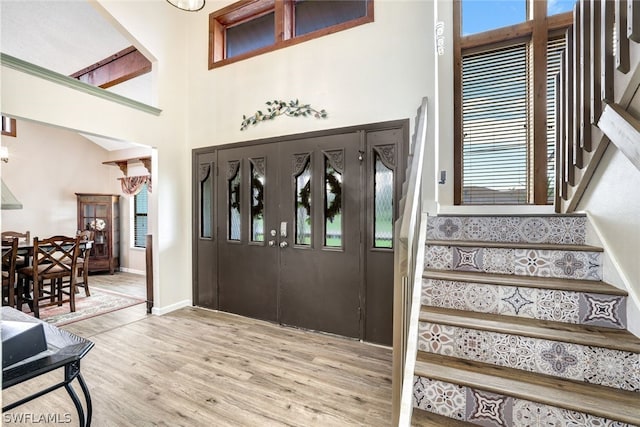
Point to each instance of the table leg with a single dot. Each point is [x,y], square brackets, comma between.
[73,371]
[87,398]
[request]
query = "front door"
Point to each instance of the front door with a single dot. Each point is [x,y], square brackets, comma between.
[302,230]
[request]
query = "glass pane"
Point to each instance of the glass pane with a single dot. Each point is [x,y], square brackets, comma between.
[140,218]
[250,35]
[332,206]
[257,205]
[101,210]
[89,210]
[141,231]
[485,15]
[312,15]
[383,205]
[495,103]
[303,206]
[559,6]
[234,206]
[206,204]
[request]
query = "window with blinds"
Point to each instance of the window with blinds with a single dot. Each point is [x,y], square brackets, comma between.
[495,129]
[140,211]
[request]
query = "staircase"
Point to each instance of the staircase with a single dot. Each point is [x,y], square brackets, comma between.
[517,327]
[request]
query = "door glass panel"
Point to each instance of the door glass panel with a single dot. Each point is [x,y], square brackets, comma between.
[206,203]
[303,204]
[257,200]
[383,205]
[332,205]
[234,200]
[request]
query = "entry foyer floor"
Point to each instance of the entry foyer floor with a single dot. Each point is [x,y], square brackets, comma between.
[197,367]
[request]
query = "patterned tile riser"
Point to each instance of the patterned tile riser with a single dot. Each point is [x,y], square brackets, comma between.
[595,365]
[534,303]
[521,262]
[490,409]
[552,229]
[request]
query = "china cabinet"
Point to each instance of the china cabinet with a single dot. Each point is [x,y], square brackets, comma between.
[100,213]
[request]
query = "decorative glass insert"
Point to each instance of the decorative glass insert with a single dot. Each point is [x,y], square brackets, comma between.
[257,200]
[206,202]
[233,178]
[302,177]
[383,202]
[333,168]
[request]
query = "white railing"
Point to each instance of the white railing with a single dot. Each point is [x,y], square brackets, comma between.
[408,264]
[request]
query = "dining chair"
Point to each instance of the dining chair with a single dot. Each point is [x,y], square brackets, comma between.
[82,279]
[25,238]
[54,261]
[9,256]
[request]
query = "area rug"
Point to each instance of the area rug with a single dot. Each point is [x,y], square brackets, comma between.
[100,302]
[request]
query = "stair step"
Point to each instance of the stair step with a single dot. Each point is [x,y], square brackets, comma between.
[572,285]
[595,336]
[586,398]
[541,228]
[422,418]
[516,245]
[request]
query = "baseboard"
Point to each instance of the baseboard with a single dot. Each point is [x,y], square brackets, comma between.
[132,271]
[159,311]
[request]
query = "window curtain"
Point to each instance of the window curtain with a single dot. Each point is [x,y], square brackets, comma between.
[132,185]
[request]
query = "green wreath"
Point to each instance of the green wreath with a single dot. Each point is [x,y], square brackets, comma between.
[334,208]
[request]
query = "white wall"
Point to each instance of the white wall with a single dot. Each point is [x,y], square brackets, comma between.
[47,166]
[613,203]
[374,72]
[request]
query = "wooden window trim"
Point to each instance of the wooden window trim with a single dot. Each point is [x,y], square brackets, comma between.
[11,128]
[245,10]
[545,28]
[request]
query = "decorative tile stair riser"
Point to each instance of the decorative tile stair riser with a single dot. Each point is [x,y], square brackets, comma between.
[490,409]
[518,328]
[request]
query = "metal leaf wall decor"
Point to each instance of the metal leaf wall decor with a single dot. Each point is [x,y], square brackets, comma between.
[278,108]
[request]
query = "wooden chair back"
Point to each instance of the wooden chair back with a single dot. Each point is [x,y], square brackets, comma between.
[9,257]
[55,257]
[25,237]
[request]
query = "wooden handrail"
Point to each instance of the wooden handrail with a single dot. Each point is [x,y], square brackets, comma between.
[595,81]
[407,262]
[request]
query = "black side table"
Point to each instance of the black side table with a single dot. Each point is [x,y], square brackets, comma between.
[64,350]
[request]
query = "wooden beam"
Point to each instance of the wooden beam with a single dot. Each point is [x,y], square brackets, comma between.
[585,76]
[577,87]
[623,130]
[539,118]
[596,103]
[606,54]
[118,68]
[569,128]
[633,20]
[622,42]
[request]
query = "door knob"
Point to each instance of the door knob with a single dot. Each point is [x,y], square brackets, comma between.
[283,244]
[272,243]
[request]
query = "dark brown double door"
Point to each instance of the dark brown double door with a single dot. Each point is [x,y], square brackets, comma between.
[303,232]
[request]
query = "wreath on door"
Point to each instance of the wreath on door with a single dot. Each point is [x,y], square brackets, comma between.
[334,207]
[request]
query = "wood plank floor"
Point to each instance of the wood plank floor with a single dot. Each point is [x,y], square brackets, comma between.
[196,367]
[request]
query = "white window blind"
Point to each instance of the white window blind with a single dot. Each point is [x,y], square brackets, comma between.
[140,204]
[495,131]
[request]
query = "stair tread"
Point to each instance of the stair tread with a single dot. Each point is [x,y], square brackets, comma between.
[514,245]
[582,397]
[422,418]
[563,284]
[617,339]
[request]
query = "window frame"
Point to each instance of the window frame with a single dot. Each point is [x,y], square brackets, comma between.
[246,10]
[536,31]
[135,215]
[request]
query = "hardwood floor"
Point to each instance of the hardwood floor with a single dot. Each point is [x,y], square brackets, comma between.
[196,367]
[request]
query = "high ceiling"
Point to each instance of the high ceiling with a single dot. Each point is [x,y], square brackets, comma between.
[66,36]
[60,35]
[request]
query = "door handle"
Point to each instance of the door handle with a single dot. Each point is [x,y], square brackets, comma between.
[272,243]
[283,244]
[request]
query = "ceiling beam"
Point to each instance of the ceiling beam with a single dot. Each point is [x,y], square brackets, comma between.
[117,68]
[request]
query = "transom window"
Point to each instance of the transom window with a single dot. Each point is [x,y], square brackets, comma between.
[253,27]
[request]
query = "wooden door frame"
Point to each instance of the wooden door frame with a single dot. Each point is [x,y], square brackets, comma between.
[364,128]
